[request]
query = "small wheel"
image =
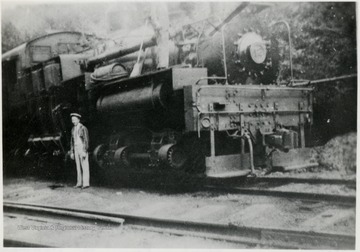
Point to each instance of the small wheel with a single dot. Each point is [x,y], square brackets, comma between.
[173,155]
[176,157]
[121,156]
[98,155]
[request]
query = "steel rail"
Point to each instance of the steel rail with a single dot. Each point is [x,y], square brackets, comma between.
[331,198]
[15,243]
[288,180]
[275,238]
[280,181]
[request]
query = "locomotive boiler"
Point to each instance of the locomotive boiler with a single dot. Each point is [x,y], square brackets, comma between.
[168,101]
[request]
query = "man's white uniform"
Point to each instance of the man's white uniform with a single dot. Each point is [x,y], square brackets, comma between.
[79,146]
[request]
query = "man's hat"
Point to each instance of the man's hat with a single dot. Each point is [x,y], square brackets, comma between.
[76,115]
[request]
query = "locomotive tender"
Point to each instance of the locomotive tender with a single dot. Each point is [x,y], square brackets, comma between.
[193,114]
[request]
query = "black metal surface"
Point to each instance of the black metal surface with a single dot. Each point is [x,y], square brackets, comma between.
[135,99]
[276,238]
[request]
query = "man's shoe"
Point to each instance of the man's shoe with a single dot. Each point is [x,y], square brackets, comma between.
[85,187]
[77,186]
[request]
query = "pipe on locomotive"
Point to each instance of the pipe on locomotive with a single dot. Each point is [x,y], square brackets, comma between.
[116,53]
[224,54]
[289,37]
[252,167]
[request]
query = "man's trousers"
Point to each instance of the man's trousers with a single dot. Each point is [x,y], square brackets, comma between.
[82,167]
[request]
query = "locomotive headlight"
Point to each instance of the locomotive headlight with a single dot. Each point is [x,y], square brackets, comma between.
[258,52]
[205,122]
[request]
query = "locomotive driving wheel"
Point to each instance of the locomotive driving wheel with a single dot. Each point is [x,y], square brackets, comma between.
[121,156]
[173,155]
[99,152]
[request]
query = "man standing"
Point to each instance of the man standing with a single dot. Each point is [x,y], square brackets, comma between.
[79,151]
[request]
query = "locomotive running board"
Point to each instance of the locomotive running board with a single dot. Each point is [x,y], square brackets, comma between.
[46,140]
[294,159]
[228,166]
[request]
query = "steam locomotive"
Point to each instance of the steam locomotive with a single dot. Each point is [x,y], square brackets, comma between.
[182,100]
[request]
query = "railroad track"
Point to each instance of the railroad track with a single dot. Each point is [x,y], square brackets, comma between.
[317,181]
[15,243]
[252,236]
[266,186]
[282,181]
[331,198]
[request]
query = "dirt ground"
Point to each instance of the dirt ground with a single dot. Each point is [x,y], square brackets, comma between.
[37,230]
[243,210]
[338,154]
[336,159]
